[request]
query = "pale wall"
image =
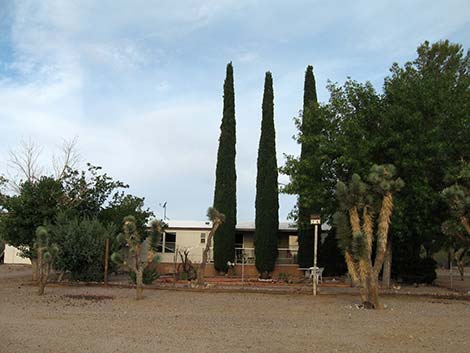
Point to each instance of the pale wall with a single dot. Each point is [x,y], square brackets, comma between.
[12,256]
[187,240]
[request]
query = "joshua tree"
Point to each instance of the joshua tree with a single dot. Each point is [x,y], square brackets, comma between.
[359,203]
[217,219]
[457,197]
[46,256]
[457,226]
[140,249]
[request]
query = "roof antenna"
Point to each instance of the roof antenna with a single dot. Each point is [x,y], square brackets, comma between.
[165,218]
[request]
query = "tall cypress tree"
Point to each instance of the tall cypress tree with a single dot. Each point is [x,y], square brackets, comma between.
[225,200]
[309,129]
[267,196]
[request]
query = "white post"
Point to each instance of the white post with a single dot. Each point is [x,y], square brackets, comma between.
[316,221]
[315,249]
[243,266]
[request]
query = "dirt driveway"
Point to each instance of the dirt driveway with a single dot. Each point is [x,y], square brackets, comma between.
[170,321]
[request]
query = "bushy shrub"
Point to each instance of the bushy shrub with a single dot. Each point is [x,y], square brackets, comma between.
[82,247]
[330,256]
[149,275]
[416,270]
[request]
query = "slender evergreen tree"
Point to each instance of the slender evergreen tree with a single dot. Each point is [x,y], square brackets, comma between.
[267,196]
[225,199]
[305,237]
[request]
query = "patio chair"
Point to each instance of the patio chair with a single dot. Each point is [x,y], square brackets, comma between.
[319,272]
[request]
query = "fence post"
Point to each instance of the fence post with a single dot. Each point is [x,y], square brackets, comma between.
[106,256]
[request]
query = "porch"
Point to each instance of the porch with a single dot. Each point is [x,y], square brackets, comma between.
[246,256]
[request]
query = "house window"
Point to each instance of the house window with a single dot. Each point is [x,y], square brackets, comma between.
[169,242]
[203,238]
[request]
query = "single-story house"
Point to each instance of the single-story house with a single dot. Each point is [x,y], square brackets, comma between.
[192,236]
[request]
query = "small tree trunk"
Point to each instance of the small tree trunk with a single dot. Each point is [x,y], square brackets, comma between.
[373,284]
[202,267]
[44,274]
[139,284]
[42,284]
[61,276]
[460,266]
[387,270]
[41,287]
[200,273]
[205,253]
[34,269]
[382,230]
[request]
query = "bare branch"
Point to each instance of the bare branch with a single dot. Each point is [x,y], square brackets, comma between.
[68,159]
[24,163]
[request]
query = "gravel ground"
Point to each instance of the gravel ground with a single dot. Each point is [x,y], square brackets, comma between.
[173,321]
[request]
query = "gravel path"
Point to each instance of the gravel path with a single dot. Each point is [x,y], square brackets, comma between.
[169,321]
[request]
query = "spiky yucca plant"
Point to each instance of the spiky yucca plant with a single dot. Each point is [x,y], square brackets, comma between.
[46,255]
[360,202]
[457,197]
[217,219]
[139,251]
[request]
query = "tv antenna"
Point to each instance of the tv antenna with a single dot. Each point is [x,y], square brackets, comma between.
[164,210]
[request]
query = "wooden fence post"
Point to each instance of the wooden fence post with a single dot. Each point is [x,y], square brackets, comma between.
[106,256]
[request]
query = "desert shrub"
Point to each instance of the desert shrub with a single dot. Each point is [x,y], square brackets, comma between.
[82,247]
[149,275]
[285,277]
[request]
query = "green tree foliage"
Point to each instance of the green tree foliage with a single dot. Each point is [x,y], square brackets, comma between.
[47,253]
[123,205]
[225,180]
[419,124]
[426,134]
[363,208]
[267,196]
[82,246]
[37,203]
[87,192]
[138,250]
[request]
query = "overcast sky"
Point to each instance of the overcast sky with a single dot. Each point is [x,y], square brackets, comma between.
[140,82]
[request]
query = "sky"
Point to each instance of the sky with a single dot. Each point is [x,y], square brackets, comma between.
[139,83]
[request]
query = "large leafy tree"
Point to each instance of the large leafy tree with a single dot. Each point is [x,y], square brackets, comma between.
[225,200]
[123,205]
[267,195]
[426,129]
[420,124]
[36,204]
[87,192]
